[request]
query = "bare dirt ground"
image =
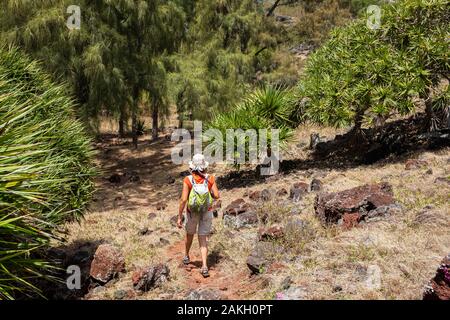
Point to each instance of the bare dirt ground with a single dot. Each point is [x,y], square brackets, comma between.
[332,264]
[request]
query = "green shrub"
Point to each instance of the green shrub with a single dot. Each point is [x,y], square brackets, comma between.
[45,163]
[361,74]
[265,108]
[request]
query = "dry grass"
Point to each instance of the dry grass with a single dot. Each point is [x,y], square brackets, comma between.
[406,247]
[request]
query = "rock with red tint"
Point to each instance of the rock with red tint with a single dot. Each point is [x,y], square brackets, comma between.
[282,192]
[350,220]
[237,207]
[254,195]
[298,190]
[154,276]
[367,202]
[412,164]
[272,233]
[108,263]
[439,287]
[260,195]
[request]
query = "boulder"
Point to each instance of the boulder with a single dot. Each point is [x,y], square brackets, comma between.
[314,140]
[351,206]
[243,220]
[271,233]
[316,185]
[237,207]
[205,294]
[298,190]
[263,195]
[439,287]
[260,256]
[292,293]
[254,195]
[281,192]
[296,226]
[145,279]
[412,164]
[108,263]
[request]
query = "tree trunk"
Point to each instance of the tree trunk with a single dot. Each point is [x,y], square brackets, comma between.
[155,122]
[180,121]
[122,123]
[272,8]
[430,118]
[134,127]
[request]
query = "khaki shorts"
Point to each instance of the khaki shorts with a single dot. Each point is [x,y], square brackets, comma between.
[203,221]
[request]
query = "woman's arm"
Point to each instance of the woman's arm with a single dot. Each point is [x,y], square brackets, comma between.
[215,191]
[183,201]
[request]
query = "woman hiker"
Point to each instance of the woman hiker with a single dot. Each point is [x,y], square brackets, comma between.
[199,190]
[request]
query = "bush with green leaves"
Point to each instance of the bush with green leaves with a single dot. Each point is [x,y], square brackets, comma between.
[362,75]
[266,108]
[45,164]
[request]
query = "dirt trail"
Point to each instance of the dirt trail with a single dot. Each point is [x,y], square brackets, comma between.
[159,180]
[193,280]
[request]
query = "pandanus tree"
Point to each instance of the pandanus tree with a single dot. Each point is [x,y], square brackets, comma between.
[265,109]
[365,75]
[45,169]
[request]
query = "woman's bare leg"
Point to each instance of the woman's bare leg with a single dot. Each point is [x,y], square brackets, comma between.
[203,249]
[189,238]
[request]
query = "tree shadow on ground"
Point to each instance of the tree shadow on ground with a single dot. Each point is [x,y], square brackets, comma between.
[392,142]
[79,254]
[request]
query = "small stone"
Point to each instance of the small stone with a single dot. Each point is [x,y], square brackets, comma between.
[152,216]
[154,276]
[282,192]
[286,283]
[316,185]
[144,231]
[164,241]
[272,233]
[412,164]
[120,294]
[298,190]
[204,294]
[337,289]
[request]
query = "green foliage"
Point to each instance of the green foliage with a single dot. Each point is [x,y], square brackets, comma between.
[363,74]
[45,164]
[217,64]
[111,59]
[265,108]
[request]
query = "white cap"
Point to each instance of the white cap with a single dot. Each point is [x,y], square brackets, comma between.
[198,163]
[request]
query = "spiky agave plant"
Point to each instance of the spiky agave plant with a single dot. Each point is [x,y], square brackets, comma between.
[265,108]
[45,168]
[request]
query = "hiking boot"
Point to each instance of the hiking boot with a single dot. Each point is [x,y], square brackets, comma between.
[205,272]
[186,260]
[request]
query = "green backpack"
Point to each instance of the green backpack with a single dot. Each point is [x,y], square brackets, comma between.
[200,198]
